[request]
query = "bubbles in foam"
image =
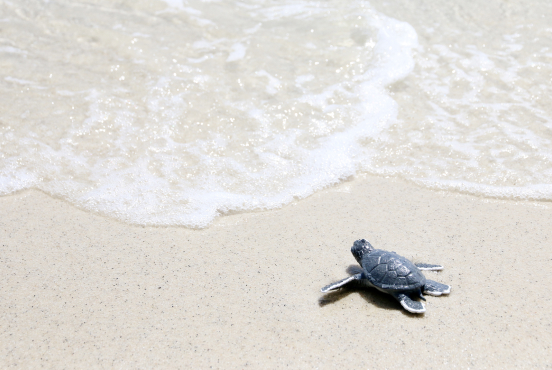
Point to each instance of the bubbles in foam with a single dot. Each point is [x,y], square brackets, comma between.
[173,112]
[476,111]
[173,115]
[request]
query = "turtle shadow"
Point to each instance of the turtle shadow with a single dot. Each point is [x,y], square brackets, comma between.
[370,295]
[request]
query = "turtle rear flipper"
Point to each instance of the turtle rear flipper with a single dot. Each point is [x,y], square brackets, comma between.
[429,267]
[436,289]
[408,304]
[340,283]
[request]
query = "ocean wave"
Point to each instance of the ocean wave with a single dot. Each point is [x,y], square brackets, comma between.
[175,112]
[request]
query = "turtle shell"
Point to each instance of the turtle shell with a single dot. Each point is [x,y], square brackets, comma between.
[388,270]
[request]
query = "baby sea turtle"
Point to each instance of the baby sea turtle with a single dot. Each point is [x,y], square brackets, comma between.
[393,274]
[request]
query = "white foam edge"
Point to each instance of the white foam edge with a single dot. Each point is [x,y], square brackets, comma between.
[327,165]
[526,192]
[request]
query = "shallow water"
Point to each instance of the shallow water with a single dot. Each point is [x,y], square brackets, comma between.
[173,112]
[476,112]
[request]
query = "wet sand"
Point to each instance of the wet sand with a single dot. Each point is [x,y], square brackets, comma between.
[80,290]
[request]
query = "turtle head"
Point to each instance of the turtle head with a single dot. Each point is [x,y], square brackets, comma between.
[361,248]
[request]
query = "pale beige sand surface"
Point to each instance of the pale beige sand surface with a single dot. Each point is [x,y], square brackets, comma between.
[79,290]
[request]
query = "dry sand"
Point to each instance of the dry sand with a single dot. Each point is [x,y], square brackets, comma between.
[79,290]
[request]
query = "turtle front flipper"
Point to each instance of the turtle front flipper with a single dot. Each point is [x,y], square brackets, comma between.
[428,267]
[408,304]
[340,283]
[436,289]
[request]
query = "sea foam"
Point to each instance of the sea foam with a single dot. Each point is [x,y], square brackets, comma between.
[200,112]
[175,112]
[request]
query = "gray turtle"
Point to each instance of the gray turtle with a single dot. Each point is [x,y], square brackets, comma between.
[393,274]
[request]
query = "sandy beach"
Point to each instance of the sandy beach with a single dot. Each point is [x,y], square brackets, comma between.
[102,107]
[83,291]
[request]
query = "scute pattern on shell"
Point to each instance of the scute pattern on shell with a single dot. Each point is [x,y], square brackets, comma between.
[388,270]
